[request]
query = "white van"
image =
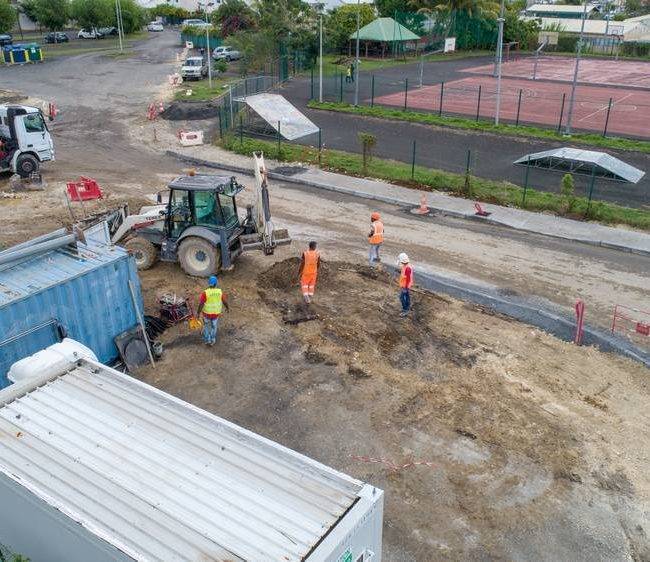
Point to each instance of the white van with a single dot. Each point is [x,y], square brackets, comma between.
[25,141]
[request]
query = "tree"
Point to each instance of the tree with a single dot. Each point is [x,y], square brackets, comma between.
[368,143]
[343,22]
[30,9]
[173,14]
[387,8]
[7,16]
[233,16]
[92,13]
[133,16]
[53,14]
[567,191]
[635,8]
[524,32]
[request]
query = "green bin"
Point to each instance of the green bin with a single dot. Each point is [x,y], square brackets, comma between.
[34,52]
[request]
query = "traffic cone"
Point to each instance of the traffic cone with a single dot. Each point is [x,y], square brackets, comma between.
[422,209]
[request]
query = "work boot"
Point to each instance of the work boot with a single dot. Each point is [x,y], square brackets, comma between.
[404,313]
[307,299]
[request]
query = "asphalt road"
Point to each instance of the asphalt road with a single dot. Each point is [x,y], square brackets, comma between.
[492,156]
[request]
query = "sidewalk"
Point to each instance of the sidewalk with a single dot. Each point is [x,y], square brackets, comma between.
[548,225]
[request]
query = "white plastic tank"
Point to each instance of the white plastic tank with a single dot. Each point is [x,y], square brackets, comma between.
[49,361]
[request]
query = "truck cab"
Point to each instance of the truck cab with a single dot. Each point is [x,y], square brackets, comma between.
[25,140]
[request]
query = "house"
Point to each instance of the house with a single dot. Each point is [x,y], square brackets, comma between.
[560,11]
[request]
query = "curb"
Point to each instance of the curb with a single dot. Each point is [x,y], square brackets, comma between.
[401,202]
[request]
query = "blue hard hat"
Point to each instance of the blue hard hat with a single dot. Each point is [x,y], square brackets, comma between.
[212,281]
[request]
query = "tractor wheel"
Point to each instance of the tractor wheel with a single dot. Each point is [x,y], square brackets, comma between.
[26,165]
[144,252]
[198,257]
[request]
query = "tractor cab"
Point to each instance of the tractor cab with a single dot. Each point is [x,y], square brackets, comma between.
[202,201]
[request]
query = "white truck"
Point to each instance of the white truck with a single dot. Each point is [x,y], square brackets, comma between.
[25,140]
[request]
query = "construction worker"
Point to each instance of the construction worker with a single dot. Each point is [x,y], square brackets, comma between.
[375,238]
[405,283]
[211,303]
[308,273]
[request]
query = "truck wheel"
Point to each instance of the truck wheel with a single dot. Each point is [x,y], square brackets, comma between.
[26,165]
[144,252]
[198,257]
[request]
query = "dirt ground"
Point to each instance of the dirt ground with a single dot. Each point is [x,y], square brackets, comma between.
[538,449]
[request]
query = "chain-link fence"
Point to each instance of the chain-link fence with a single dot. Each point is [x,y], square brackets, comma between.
[538,103]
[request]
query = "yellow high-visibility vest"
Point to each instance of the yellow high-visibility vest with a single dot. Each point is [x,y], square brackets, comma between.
[213,303]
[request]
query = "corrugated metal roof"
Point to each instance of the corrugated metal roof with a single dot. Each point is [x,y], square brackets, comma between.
[161,479]
[581,161]
[45,270]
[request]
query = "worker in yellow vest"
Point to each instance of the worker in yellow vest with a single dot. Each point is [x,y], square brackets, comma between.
[405,283]
[375,238]
[308,273]
[211,303]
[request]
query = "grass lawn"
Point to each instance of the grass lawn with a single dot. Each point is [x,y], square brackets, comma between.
[201,90]
[80,47]
[330,66]
[529,131]
[428,179]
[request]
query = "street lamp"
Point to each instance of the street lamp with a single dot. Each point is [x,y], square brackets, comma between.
[320,60]
[356,63]
[569,117]
[499,61]
[207,44]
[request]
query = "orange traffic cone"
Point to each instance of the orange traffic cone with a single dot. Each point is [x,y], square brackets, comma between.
[422,209]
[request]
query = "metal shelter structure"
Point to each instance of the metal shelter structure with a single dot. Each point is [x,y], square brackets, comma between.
[583,162]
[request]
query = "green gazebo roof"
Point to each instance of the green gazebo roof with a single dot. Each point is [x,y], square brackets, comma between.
[384,30]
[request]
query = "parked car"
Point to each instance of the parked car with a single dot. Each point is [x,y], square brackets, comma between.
[106,31]
[6,39]
[89,34]
[195,23]
[194,68]
[226,53]
[56,37]
[155,26]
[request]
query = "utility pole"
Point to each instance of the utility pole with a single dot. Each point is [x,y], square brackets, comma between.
[120,29]
[320,62]
[356,65]
[569,117]
[207,44]
[499,61]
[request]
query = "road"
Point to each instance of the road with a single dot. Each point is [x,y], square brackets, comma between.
[103,133]
[446,149]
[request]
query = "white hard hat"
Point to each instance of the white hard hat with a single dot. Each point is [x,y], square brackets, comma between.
[403,258]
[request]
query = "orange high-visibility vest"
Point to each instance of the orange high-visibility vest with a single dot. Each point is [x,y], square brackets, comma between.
[377,232]
[403,281]
[311,262]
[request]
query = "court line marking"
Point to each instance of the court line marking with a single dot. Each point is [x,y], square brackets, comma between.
[605,107]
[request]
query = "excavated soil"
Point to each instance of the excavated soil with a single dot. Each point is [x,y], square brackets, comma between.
[190,110]
[532,442]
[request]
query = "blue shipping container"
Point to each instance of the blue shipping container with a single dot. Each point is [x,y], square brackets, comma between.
[81,293]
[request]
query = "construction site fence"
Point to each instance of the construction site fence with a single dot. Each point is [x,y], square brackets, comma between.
[418,157]
[518,106]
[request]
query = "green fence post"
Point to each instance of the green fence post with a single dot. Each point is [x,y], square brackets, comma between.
[372,92]
[220,124]
[341,90]
[442,92]
[478,103]
[559,123]
[279,141]
[591,188]
[241,131]
[406,92]
[311,95]
[320,147]
[523,199]
[609,108]
[245,87]
[413,161]
[518,107]
[468,185]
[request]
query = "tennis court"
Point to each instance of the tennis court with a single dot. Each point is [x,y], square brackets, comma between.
[543,102]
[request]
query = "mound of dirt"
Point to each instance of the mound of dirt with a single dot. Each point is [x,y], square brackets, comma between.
[284,275]
[190,110]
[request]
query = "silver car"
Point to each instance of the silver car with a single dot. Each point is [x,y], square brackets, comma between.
[225,53]
[194,68]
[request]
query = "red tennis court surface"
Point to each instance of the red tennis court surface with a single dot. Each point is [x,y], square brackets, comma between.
[541,103]
[632,74]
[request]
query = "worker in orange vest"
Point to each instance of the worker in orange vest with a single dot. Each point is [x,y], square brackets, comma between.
[309,265]
[375,238]
[405,283]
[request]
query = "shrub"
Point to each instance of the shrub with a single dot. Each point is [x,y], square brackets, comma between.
[567,190]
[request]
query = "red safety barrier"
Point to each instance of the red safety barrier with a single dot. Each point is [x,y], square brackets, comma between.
[631,321]
[84,190]
[580,318]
